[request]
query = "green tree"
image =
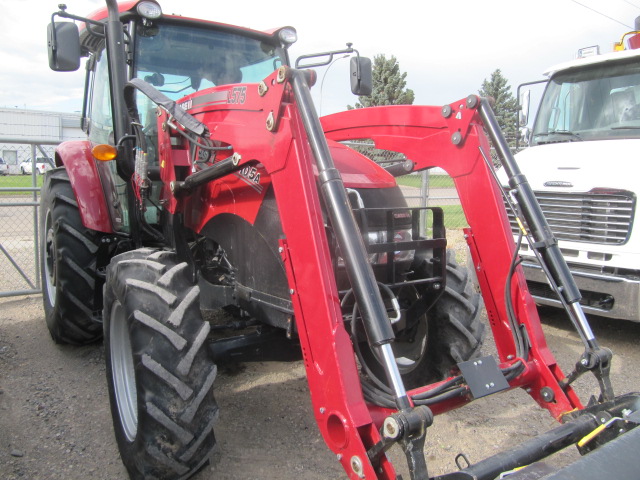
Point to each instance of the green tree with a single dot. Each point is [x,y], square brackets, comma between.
[504,104]
[388,85]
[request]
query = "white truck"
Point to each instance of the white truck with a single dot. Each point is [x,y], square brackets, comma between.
[583,162]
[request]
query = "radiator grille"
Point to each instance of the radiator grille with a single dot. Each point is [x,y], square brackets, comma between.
[603,218]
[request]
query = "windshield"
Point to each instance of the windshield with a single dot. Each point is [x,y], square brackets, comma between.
[181,59]
[599,103]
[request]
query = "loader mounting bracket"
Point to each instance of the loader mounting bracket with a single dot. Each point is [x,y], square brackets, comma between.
[408,428]
[483,376]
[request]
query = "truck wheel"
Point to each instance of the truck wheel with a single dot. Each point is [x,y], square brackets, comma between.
[68,265]
[159,374]
[451,332]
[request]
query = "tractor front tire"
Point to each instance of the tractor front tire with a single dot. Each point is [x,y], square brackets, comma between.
[449,333]
[160,376]
[68,265]
[456,331]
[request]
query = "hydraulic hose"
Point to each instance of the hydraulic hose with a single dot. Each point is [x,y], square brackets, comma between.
[543,239]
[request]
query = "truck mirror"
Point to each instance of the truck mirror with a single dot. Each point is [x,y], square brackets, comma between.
[361,75]
[64,46]
[523,114]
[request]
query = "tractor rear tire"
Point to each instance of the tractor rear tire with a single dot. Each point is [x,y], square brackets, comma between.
[68,265]
[160,375]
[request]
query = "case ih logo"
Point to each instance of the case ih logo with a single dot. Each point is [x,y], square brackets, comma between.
[558,183]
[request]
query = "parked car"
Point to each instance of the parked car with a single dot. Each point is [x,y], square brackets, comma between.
[42,165]
[4,168]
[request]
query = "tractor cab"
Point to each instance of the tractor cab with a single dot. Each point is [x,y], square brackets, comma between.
[177,56]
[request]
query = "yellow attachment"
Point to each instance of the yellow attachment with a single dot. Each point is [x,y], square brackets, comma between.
[104,153]
[510,472]
[520,224]
[619,46]
[587,438]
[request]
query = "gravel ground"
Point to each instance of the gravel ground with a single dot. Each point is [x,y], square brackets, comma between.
[55,421]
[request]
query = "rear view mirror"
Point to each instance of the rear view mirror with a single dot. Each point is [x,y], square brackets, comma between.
[64,46]
[361,76]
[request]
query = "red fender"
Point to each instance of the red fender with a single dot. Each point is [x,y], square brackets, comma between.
[81,167]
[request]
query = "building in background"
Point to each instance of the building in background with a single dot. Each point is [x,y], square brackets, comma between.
[25,132]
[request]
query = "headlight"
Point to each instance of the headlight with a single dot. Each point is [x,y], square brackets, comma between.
[399,255]
[150,10]
[381,237]
[288,36]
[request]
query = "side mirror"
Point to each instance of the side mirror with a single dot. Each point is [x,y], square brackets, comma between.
[523,114]
[361,75]
[64,46]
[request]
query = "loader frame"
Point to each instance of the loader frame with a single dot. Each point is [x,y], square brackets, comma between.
[455,142]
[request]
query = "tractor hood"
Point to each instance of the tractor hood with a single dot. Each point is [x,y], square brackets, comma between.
[357,170]
[580,166]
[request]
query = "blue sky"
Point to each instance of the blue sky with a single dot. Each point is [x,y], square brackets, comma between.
[446,48]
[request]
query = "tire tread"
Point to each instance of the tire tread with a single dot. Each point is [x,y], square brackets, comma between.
[174,373]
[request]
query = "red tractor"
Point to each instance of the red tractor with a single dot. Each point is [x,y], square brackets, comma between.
[207,183]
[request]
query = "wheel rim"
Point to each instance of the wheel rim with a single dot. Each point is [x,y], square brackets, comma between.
[409,346]
[409,352]
[49,260]
[123,373]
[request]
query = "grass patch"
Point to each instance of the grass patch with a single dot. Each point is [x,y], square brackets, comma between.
[18,181]
[435,181]
[409,180]
[454,216]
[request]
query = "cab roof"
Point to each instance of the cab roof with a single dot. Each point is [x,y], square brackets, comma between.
[101,15]
[593,60]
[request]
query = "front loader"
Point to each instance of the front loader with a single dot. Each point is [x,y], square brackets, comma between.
[210,213]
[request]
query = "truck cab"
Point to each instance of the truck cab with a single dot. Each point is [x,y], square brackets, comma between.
[581,163]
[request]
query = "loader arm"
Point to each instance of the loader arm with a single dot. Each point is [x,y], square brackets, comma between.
[453,143]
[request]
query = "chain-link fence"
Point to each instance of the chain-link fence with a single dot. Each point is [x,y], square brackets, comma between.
[19,201]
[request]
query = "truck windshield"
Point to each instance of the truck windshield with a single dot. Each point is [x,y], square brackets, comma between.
[599,103]
[181,59]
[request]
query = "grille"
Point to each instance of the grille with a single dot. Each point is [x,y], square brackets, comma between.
[603,218]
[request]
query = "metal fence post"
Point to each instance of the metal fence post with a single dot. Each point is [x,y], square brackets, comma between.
[424,198]
[36,243]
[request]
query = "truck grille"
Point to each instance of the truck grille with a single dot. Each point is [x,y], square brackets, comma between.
[593,217]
